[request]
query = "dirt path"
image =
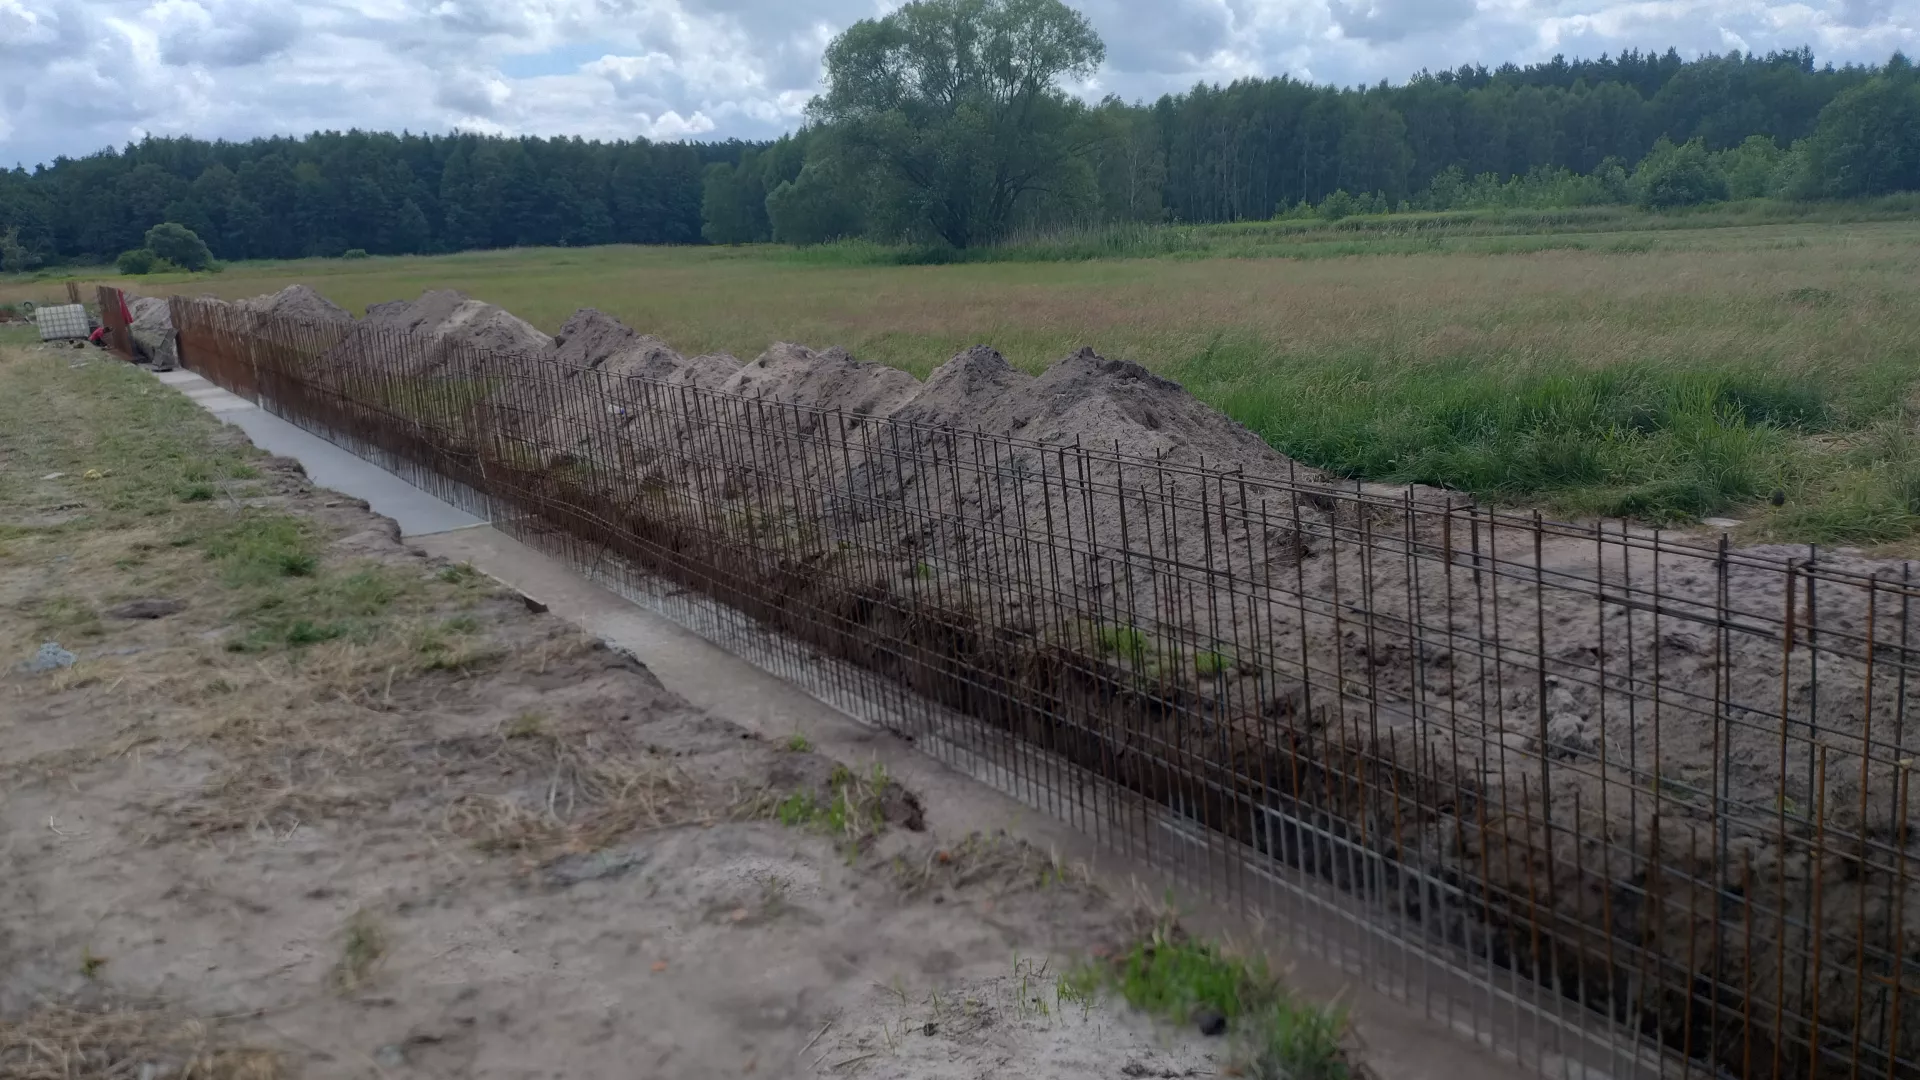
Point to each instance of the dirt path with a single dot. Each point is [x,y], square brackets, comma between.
[291,799]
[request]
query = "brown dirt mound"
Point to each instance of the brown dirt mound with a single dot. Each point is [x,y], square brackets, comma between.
[708,372]
[592,340]
[455,325]
[833,379]
[299,303]
[963,392]
[152,332]
[1104,403]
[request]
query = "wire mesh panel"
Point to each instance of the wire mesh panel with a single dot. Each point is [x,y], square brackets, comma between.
[61,322]
[1618,803]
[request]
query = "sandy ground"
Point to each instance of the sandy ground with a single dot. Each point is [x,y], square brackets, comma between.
[460,839]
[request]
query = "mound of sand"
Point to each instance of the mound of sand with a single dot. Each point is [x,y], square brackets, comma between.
[708,372]
[152,332]
[297,303]
[963,392]
[1103,404]
[457,328]
[796,375]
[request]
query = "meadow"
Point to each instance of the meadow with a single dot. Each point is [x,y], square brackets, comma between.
[1596,361]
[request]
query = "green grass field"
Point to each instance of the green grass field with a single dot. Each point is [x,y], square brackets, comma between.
[1591,361]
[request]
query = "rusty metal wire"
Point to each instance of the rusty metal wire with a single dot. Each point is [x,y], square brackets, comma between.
[1616,803]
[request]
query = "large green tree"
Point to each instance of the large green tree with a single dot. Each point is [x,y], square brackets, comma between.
[1868,138]
[958,105]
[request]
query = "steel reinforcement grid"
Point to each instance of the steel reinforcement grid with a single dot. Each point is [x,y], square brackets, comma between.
[1614,804]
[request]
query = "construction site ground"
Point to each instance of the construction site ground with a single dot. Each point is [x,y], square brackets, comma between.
[289,794]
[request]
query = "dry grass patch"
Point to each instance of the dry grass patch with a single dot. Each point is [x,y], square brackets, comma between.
[1007,862]
[56,1043]
[584,792]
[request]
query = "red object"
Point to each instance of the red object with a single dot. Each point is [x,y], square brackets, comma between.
[99,336]
[126,317]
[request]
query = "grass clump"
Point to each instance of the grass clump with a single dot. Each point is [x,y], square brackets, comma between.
[262,549]
[317,607]
[1176,978]
[1211,662]
[1129,643]
[459,574]
[362,945]
[798,744]
[853,809]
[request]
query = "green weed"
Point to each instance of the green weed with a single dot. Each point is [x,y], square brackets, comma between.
[319,607]
[1208,662]
[851,809]
[1176,978]
[458,574]
[1129,643]
[798,744]
[362,946]
[263,548]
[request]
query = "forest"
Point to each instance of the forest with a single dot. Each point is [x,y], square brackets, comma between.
[1639,127]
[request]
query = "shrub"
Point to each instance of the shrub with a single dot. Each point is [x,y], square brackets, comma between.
[1683,175]
[136,262]
[1337,205]
[179,245]
[354,253]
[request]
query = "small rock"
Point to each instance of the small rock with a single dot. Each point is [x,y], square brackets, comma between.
[1561,700]
[53,476]
[1210,1021]
[50,657]
[390,1056]
[1569,733]
[593,866]
[155,608]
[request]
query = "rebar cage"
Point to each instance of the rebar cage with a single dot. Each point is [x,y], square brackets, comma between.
[1614,802]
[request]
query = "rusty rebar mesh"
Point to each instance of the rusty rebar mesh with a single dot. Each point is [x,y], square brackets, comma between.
[1651,793]
[113,316]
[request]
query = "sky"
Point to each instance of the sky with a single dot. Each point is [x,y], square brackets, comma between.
[80,75]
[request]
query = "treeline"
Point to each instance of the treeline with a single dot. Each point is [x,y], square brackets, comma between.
[332,192]
[1640,127]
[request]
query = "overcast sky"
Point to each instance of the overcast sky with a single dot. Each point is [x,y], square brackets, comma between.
[77,75]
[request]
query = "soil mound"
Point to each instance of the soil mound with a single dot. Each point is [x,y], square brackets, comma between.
[795,374]
[708,372]
[455,325]
[595,341]
[1103,403]
[152,332]
[968,389]
[299,304]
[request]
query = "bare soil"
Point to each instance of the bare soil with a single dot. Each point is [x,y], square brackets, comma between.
[456,839]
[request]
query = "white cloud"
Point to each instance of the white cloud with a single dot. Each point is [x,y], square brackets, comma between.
[76,75]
